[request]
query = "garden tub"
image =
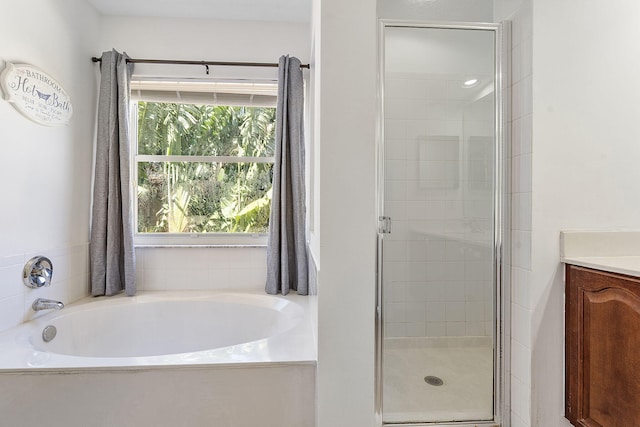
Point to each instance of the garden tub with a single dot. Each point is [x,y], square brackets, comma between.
[164,358]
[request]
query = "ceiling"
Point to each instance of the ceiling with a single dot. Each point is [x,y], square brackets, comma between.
[225,10]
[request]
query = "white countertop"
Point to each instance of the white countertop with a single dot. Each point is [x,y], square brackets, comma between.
[613,251]
[629,265]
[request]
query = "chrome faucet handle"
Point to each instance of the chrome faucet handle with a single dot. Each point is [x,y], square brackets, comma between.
[38,272]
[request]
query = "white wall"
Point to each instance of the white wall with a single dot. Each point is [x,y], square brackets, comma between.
[313,157]
[345,67]
[196,39]
[574,141]
[46,171]
[437,10]
[584,158]
[200,39]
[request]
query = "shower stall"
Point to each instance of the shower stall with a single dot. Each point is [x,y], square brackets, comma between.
[441,304]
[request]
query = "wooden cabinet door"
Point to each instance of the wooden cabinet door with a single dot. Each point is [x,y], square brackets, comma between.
[602,348]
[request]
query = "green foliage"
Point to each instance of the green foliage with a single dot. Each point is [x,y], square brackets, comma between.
[197,196]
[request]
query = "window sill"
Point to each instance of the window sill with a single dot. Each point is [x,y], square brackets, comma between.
[200,240]
[204,245]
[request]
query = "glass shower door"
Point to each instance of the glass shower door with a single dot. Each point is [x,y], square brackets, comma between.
[438,198]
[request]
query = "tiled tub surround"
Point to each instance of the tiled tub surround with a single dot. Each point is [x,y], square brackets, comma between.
[201,268]
[157,269]
[274,375]
[438,278]
[69,283]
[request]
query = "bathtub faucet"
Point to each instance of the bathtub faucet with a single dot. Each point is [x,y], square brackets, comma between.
[46,304]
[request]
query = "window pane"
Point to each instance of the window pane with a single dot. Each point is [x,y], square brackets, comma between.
[205,130]
[197,197]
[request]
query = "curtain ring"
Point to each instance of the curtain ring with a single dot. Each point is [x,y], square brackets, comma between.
[206,68]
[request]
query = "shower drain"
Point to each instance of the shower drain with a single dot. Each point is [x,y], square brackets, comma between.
[431,380]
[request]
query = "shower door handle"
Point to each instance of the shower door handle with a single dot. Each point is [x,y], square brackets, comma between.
[385,224]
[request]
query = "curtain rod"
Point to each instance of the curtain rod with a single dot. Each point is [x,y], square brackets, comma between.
[203,63]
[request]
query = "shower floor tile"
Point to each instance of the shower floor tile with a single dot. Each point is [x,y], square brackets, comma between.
[467,392]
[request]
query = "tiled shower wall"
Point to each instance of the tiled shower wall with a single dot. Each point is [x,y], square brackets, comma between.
[521,193]
[438,192]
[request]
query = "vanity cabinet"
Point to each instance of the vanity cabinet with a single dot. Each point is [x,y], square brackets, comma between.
[602,348]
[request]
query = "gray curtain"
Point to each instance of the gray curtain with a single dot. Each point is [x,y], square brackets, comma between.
[111,250]
[287,251]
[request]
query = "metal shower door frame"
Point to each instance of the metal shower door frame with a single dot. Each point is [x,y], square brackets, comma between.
[501,224]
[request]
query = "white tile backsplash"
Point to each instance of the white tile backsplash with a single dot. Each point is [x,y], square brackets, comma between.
[11,280]
[69,283]
[11,311]
[157,269]
[201,268]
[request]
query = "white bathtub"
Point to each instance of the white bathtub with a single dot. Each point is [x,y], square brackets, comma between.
[164,328]
[208,354]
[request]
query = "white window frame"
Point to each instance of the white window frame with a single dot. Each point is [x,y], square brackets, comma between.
[186,239]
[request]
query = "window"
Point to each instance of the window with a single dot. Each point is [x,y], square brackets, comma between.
[202,162]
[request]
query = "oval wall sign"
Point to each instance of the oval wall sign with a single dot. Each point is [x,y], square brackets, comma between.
[36,94]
